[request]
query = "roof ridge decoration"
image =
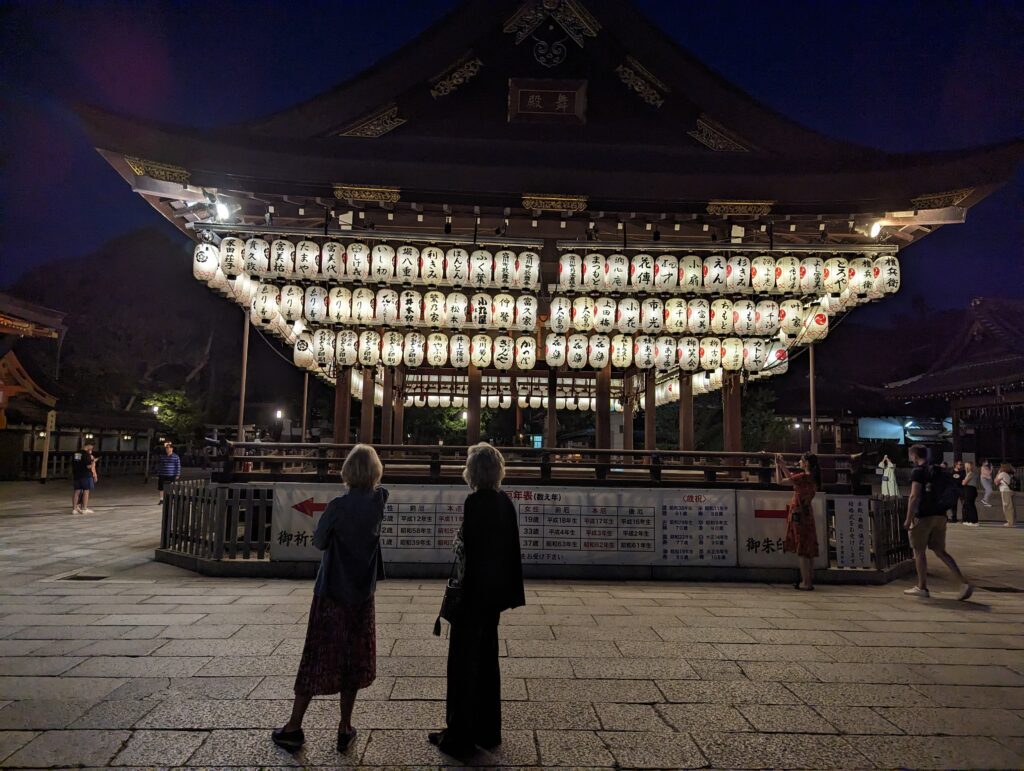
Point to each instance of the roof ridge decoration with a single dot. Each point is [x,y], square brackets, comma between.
[162,172]
[367,193]
[460,73]
[374,125]
[639,79]
[716,137]
[942,200]
[725,208]
[570,15]
[554,202]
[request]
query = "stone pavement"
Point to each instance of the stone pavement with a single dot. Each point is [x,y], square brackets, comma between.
[149,665]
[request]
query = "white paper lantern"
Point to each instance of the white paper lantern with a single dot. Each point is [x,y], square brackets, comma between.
[714,273]
[346,348]
[744,317]
[666,273]
[307,260]
[766,318]
[627,317]
[392,349]
[691,273]
[791,317]
[641,272]
[431,265]
[315,305]
[503,311]
[762,273]
[419,401]
[710,353]
[835,275]
[413,350]
[583,314]
[434,314]
[459,401]
[815,325]
[257,257]
[585,403]
[732,354]
[560,318]
[219,283]
[698,316]
[456,306]
[433,401]
[643,351]
[386,307]
[699,383]
[526,312]
[688,353]
[554,350]
[777,360]
[526,353]
[570,403]
[458,351]
[405,263]
[205,261]
[622,351]
[604,314]
[232,257]
[323,347]
[535,402]
[599,351]
[737,273]
[382,263]
[244,289]
[456,266]
[480,351]
[755,353]
[664,352]
[480,309]
[437,349]
[576,351]
[410,306]
[481,268]
[720,317]
[357,261]
[812,275]
[282,258]
[616,272]
[504,352]
[444,400]
[302,351]
[652,315]
[492,401]
[559,402]
[523,402]
[505,268]
[264,303]
[332,260]
[787,274]
[528,270]
[593,271]
[362,306]
[369,348]
[570,271]
[886,272]
[290,302]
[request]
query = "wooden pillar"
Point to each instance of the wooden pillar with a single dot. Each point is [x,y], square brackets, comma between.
[473,407]
[551,430]
[628,410]
[732,425]
[398,427]
[366,408]
[685,411]
[342,405]
[387,405]
[812,398]
[305,404]
[650,410]
[957,442]
[240,436]
[603,439]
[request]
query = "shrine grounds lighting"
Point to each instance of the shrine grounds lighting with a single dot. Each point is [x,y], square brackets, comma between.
[876,228]
[222,211]
[279,414]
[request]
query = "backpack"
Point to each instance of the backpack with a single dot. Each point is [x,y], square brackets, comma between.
[940,493]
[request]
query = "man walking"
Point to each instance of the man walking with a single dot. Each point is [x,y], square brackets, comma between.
[168,468]
[930,491]
[84,476]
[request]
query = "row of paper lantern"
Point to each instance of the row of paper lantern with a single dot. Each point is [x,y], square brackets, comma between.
[504,402]
[333,261]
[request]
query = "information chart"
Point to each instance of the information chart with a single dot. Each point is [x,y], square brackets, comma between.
[852,518]
[698,527]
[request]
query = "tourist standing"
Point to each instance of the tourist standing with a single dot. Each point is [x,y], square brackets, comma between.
[971,484]
[986,482]
[926,521]
[957,474]
[84,477]
[340,654]
[889,487]
[168,468]
[801,533]
[1004,479]
[490,571]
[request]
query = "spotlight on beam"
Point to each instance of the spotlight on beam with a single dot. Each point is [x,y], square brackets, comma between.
[876,228]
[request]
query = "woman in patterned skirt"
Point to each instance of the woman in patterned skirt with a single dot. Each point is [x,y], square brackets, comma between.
[340,654]
[801,535]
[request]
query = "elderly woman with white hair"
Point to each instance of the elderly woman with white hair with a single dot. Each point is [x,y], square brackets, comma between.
[490,569]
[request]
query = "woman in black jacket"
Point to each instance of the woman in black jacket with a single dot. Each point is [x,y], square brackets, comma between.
[490,568]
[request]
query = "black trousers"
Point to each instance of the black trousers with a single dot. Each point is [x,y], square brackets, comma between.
[474,682]
[970,505]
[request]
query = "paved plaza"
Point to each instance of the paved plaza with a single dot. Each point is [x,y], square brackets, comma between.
[109,659]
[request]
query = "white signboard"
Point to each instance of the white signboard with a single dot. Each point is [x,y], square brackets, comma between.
[698,527]
[761,529]
[852,518]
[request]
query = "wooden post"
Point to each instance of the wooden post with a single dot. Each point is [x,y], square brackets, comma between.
[342,404]
[551,430]
[650,410]
[813,400]
[473,406]
[628,410]
[387,406]
[957,441]
[603,438]
[240,436]
[51,426]
[398,427]
[685,411]
[732,425]
[366,413]
[305,404]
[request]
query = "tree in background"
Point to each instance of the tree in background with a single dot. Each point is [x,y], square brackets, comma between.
[178,414]
[762,428]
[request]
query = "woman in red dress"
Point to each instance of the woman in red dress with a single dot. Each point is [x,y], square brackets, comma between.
[801,535]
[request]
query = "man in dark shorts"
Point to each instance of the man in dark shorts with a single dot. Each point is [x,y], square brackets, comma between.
[926,521]
[168,468]
[84,476]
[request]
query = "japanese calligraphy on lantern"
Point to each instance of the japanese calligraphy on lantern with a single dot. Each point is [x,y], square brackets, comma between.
[853,544]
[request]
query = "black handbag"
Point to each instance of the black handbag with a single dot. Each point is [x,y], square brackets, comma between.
[451,605]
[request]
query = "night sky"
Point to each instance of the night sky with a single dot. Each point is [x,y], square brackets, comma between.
[900,76]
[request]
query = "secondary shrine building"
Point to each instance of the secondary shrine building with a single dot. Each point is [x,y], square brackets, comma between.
[542,204]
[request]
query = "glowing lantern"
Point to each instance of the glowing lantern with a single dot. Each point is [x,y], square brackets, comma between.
[641,271]
[346,348]
[652,315]
[666,273]
[459,350]
[714,273]
[526,353]
[315,305]
[504,352]
[323,347]
[505,268]
[732,354]
[715,379]
[391,349]
[710,353]
[737,273]
[257,257]
[583,314]
[244,289]
[357,261]
[688,353]
[664,352]
[777,360]
[815,325]
[584,403]
[386,307]
[410,307]
[504,311]
[675,315]
[604,314]
[791,317]
[264,303]
[643,351]
[593,271]
[526,312]
[493,400]
[302,352]
[616,272]
[369,349]
[290,302]
[432,265]
[600,351]
[282,258]
[480,351]
[628,315]
[413,350]
[219,283]
[569,271]
[456,266]
[570,403]
[404,263]
[560,317]
[787,274]
[362,306]
[528,270]
[691,273]
[698,316]
[433,400]
[699,384]
[622,351]
[481,268]
[232,257]
[307,260]
[332,260]
[205,261]
[886,271]
[755,353]
[480,309]
[812,275]
[559,402]
[419,401]
[720,317]
[576,351]
[459,401]
[437,349]
[862,276]
[382,263]
[762,273]
[434,309]
[455,307]
[743,317]
[835,275]
[766,318]
[535,402]
[554,350]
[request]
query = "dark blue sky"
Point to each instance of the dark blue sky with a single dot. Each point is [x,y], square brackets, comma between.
[894,75]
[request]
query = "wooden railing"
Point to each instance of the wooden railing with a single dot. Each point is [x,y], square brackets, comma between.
[59,464]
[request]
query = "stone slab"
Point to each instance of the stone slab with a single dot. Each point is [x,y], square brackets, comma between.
[68,748]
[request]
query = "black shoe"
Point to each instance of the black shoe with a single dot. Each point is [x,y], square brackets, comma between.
[489,744]
[457,749]
[345,740]
[288,740]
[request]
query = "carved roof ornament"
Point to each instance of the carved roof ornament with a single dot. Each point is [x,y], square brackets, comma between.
[570,16]
[713,136]
[638,79]
[163,172]
[367,193]
[458,74]
[554,202]
[942,200]
[377,124]
[740,208]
